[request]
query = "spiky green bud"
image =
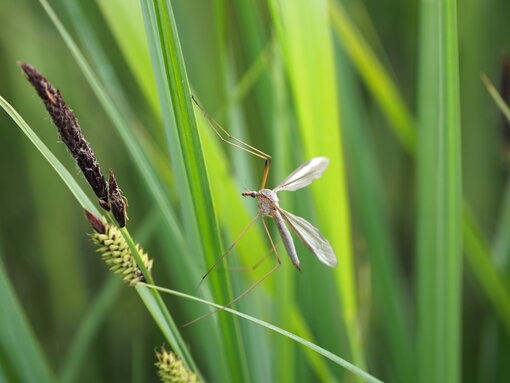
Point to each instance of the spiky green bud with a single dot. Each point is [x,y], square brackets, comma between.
[172,370]
[116,253]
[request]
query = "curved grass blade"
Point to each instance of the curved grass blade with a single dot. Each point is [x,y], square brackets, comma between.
[375,76]
[122,125]
[94,317]
[334,358]
[19,347]
[68,179]
[155,305]
[136,144]
[319,364]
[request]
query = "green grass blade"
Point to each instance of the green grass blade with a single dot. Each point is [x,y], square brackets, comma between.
[371,202]
[375,76]
[87,331]
[247,82]
[281,133]
[318,363]
[68,179]
[334,358]
[122,125]
[495,285]
[308,55]
[254,40]
[501,245]
[439,196]
[169,63]
[19,347]
[158,309]
[172,138]
[502,239]
[365,61]
[496,97]
[155,305]
[364,58]
[126,22]
[88,328]
[235,217]
[147,158]
[368,58]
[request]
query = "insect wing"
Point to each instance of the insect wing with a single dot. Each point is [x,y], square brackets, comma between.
[312,238]
[304,175]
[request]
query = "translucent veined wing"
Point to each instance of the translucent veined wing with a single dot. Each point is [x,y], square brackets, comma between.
[312,238]
[304,175]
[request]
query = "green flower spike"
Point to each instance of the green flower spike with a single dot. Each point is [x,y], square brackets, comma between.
[115,251]
[172,370]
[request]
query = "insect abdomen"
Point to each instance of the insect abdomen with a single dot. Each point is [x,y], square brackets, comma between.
[286,238]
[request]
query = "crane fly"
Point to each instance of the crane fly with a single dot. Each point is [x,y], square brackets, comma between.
[269,206]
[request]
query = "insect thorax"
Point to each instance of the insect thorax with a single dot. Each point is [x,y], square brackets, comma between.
[267,201]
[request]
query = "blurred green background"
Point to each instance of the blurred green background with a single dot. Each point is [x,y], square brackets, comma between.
[341,79]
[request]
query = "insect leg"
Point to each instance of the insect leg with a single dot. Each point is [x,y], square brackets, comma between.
[259,262]
[231,140]
[252,286]
[267,165]
[230,248]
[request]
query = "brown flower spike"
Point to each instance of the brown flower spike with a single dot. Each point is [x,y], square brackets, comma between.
[70,132]
[117,202]
[95,222]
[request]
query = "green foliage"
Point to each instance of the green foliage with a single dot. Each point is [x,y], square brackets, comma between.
[439,195]
[296,79]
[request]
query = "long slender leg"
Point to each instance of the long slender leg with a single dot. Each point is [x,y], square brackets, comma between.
[250,149]
[229,249]
[267,165]
[252,286]
[259,262]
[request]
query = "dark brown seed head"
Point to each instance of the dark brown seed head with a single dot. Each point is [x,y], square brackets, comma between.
[117,202]
[95,222]
[70,132]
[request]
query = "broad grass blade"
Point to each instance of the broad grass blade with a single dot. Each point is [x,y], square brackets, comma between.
[439,195]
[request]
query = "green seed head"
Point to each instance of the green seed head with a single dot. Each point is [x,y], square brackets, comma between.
[172,370]
[116,253]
